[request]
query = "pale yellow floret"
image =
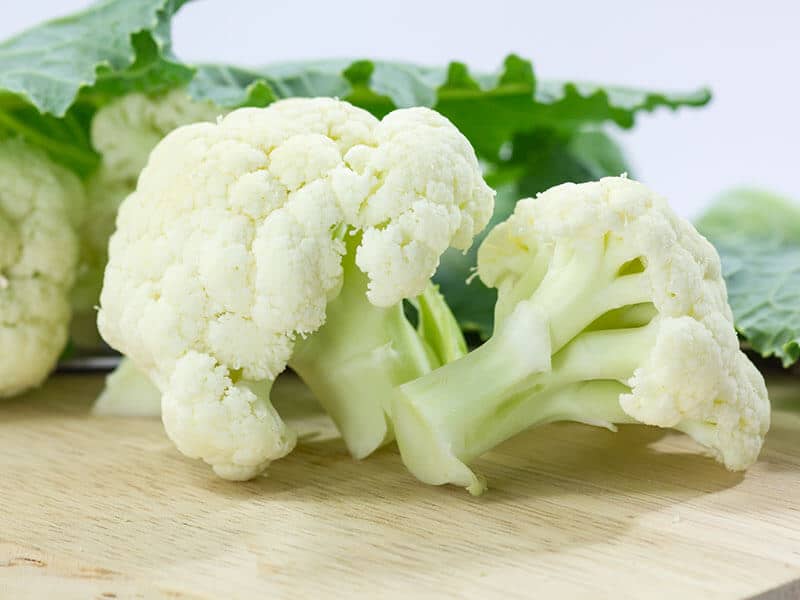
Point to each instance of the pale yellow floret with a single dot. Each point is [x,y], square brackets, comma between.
[41,205]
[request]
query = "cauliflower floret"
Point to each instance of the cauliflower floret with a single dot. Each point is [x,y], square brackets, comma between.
[41,205]
[692,382]
[123,132]
[636,327]
[242,233]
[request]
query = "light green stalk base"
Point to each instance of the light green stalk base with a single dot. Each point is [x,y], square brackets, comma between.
[128,393]
[433,428]
[354,363]
[588,312]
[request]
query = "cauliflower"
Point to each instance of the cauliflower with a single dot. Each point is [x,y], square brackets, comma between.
[40,208]
[123,132]
[610,309]
[289,234]
[128,393]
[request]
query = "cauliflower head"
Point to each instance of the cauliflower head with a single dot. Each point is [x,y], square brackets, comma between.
[232,246]
[627,302]
[41,205]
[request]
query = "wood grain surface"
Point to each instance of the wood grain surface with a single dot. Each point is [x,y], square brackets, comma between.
[106,508]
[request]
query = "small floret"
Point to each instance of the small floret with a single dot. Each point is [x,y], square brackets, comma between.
[41,204]
[611,309]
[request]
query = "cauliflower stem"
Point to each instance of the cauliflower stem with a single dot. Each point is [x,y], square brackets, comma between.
[354,362]
[506,386]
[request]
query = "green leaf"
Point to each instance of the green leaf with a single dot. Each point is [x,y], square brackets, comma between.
[758,237]
[232,87]
[599,153]
[574,104]
[764,292]
[54,76]
[550,157]
[490,109]
[152,72]
[65,139]
[747,213]
[49,64]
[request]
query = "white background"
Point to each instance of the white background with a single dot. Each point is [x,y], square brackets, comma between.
[747,51]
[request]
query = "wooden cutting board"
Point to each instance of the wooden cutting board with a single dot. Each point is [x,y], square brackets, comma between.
[106,508]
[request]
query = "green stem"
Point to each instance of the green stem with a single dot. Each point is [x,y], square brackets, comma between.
[578,286]
[355,361]
[434,414]
[447,418]
[543,399]
[594,402]
[438,326]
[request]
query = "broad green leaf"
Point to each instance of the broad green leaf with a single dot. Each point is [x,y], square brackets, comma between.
[49,64]
[758,237]
[54,76]
[488,108]
[152,72]
[66,139]
[574,104]
[234,86]
[599,153]
[763,282]
[742,214]
[550,157]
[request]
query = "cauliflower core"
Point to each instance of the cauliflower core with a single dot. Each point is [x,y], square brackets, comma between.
[40,207]
[239,235]
[123,132]
[611,309]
